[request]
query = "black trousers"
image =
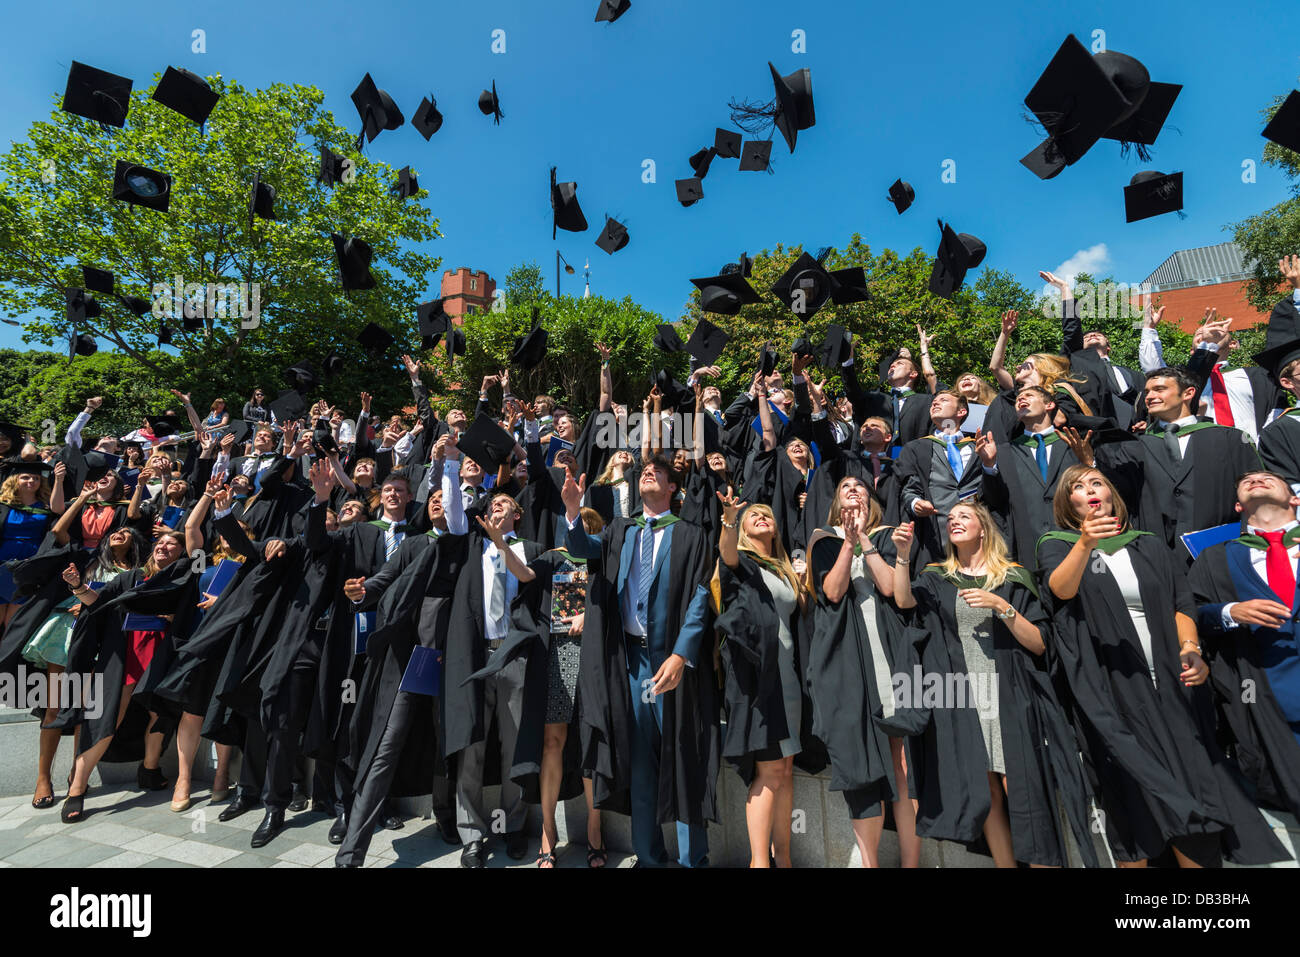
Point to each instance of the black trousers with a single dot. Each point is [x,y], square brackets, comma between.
[284,742]
[252,765]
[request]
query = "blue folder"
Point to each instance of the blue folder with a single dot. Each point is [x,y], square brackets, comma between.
[363,623]
[1197,542]
[171,515]
[224,575]
[134,622]
[555,447]
[423,672]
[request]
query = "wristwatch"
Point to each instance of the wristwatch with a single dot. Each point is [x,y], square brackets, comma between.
[1008,614]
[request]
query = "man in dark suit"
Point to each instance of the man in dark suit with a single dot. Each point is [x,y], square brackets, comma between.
[905,406]
[938,471]
[647,678]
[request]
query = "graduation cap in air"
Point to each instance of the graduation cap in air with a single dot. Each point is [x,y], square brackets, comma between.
[334,364]
[434,322]
[666,339]
[97,280]
[163,425]
[331,167]
[81,345]
[487,443]
[613,237]
[1278,357]
[706,343]
[1151,193]
[754,156]
[791,110]
[261,200]
[611,10]
[744,266]
[530,348]
[490,105]
[187,93]
[901,195]
[97,95]
[767,359]
[1284,128]
[675,395]
[17,466]
[377,110]
[164,334]
[99,464]
[427,119]
[726,143]
[407,185]
[301,376]
[700,161]
[958,252]
[142,186]
[354,262]
[724,294]
[848,286]
[374,339]
[139,307]
[689,191]
[80,306]
[805,287]
[288,406]
[1083,97]
[565,211]
[836,348]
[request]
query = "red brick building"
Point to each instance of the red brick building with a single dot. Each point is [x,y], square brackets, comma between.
[466,291]
[1193,280]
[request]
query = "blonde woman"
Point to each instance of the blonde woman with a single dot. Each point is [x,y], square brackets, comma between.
[858,642]
[1052,372]
[763,616]
[28,507]
[612,495]
[976,389]
[997,748]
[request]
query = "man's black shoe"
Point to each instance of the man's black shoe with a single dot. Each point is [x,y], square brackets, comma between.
[299,802]
[447,828]
[472,856]
[338,830]
[391,822]
[271,825]
[241,804]
[517,845]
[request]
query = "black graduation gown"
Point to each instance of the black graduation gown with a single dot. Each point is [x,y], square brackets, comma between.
[1265,395]
[1038,749]
[690,741]
[1156,770]
[1279,446]
[918,464]
[753,694]
[1261,738]
[850,664]
[774,481]
[40,579]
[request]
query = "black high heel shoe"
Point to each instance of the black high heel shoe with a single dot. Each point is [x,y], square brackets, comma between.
[73,808]
[150,779]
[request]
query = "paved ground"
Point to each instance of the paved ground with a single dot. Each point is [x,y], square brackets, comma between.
[129,828]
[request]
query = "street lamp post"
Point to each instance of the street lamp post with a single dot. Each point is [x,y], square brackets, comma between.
[567,268]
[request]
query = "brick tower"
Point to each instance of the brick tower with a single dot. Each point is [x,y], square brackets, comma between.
[466,291]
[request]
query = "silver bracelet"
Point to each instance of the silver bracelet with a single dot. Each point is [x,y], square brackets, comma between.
[900,560]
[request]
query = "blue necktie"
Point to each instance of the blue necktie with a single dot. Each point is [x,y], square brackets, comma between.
[954,457]
[1040,454]
[647,569]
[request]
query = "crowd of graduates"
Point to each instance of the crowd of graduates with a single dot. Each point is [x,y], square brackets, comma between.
[1042,603]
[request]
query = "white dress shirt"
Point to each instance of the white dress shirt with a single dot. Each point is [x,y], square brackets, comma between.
[1259,562]
[1048,447]
[1241,397]
[627,601]
[1151,354]
[1183,439]
[493,630]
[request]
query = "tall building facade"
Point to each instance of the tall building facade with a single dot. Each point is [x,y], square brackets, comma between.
[466,291]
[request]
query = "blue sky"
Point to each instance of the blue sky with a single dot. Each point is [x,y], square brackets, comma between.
[899,89]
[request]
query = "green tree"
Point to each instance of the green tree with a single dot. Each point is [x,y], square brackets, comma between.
[1268,236]
[57,211]
[524,284]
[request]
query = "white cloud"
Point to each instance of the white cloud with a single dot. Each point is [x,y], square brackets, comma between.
[1092,260]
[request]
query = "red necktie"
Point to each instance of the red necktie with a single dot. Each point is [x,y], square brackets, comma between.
[875,466]
[1222,407]
[1281,576]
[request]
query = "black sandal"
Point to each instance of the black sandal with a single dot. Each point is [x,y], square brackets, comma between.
[546,858]
[597,854]
[73,808]
[42,803]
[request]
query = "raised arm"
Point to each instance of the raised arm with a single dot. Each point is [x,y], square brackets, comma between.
[194,540]
[927,367]
[764,414]
[606,380]
[997,363]
[902,537]
[1071,327]
[63,526]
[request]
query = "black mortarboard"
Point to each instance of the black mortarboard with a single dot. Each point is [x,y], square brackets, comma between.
[81,345]
[689,191]
[744,266]
[261,200]
[374,339]
[142,186]
[331,167]
[427,119]
[334,364]
[530,348]
[241,429]
[164,334]
[1275,359]
[725,294]
[14,433]
[836,348]
[848,285]
[489,104]
[611,10]
[766,359]
[806,274]
[794,103]
[301,376]
[1144,125]
[431,321]
[901,195]
[700,161]
[99,464]
[97,95]
[726,143]
[17,466]
[323,442]
[486,443]
[1044,160]
[407,185]
[163,425]
[376,108]
[97,280]
[706,343]
[666,338]
[455,342]
[187,93]
[958,252]
[1284,128]
[288,406]
[1150,193]
[565,211]
[139,307]
[613,237]
[675,395]
[802,346]
[80,307]
[354,262]
[754,156]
